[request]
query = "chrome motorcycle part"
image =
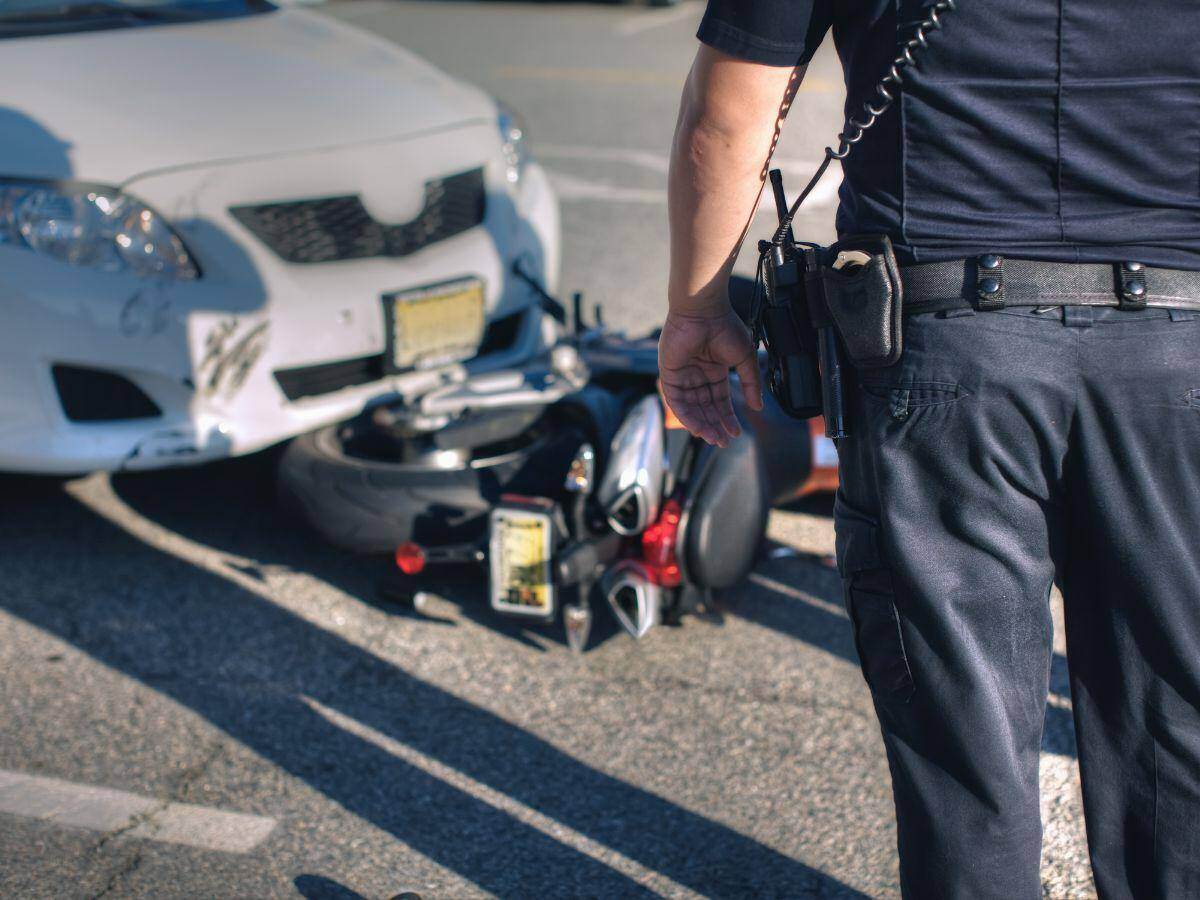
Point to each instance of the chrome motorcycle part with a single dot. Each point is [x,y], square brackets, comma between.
[577,620]
[630,492]
[635,600]
[581,474]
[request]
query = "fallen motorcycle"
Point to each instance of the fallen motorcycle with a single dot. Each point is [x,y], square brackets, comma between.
[562,480]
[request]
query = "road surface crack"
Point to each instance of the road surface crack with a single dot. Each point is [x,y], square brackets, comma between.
[179,792]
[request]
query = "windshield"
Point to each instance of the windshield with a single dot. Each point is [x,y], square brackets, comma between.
[21,18]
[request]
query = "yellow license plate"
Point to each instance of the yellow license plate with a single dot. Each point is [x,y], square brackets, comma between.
[434,325]
[519,556]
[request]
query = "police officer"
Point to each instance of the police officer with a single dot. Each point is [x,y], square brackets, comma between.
[1039,176]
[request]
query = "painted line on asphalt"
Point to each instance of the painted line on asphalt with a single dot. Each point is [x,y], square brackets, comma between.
[571,188]
[651,160]
[553,828]
[130,815]
[636,23]
[772,584]
[811,85]
[594,75]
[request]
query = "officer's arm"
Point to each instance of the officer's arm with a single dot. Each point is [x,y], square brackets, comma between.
[729,120]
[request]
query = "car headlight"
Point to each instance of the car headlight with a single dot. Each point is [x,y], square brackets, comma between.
[91,226]
[514,142]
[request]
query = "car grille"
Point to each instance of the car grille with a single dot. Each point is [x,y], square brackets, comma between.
[325,378]
[312,381]
[335,228]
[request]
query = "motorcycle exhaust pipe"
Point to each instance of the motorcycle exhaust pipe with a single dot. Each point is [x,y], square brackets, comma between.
[635,600]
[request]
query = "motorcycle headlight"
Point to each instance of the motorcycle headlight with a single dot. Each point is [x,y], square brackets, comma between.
[91,226]
[514,142]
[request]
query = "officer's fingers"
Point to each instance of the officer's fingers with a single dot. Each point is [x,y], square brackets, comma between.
[747,371]
[689,413]
[722,402]
[692,400]
[714,431]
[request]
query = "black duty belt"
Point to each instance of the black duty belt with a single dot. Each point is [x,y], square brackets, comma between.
[991,282]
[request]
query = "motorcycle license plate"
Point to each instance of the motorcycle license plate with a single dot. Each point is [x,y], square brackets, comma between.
[433,325]
[520,548]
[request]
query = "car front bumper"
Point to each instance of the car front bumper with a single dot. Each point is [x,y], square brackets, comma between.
[209,353]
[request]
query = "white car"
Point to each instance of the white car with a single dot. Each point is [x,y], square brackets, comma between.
[223,224]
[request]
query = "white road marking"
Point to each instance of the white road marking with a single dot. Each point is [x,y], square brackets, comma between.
[640,77]
[586,75]
[771,584]
[569,188]
[636,23]
[823,196]
[1059,702]
[645,159]
[564,834]
[133,815]
[573,187]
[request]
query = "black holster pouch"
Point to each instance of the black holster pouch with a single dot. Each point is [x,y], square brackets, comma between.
[783,323]
[857,289]
[819,304]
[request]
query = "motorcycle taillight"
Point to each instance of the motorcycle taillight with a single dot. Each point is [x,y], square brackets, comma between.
[658,546]
[410,558]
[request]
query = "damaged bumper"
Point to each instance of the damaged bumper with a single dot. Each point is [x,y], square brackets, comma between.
[105,371]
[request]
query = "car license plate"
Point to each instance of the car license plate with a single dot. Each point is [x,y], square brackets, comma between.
[519,555]
[434,325]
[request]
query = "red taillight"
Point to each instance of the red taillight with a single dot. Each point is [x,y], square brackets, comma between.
[658,546]
[410,558]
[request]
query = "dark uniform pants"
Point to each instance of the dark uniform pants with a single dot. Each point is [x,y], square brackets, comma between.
[1007,450]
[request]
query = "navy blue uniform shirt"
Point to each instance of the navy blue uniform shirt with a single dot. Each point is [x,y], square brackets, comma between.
[1048,129]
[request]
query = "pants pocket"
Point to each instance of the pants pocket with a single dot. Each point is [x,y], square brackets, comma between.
[877,635]
[902,398]
[871,606]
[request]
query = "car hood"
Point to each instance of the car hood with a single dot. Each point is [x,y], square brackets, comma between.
[109,106]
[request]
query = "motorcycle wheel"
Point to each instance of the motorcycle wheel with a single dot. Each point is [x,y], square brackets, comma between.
[367,494]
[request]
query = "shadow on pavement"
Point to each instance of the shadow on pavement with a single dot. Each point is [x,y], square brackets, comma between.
[232,506]
[318,887]
[262,674]
[779,604]
[201,508]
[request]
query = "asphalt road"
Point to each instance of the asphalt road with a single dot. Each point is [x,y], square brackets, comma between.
[201,700]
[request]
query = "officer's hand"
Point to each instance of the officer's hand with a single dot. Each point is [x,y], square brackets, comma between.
[695,353]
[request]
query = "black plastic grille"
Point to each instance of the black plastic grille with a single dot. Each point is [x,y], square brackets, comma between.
[334,228]
[93,395]
[325,378]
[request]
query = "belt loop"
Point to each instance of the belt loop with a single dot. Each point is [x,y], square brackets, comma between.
[989,281]
[1077,316]
[1131,278]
